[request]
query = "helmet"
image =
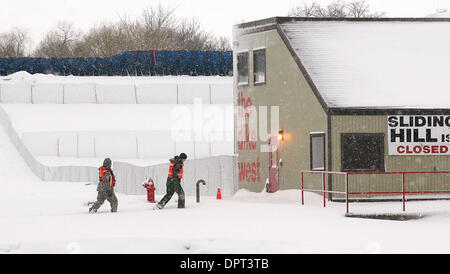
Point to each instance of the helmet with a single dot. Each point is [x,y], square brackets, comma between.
[183,156]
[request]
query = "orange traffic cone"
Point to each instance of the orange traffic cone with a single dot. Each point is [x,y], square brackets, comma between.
[219,195]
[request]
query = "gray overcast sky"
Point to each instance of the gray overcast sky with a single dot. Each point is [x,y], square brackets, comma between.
[216,16]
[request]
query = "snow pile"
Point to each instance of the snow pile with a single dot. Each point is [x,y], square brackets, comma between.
[18,76]
[15,176]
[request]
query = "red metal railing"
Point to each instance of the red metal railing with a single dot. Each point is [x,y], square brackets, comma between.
[347,193]
[323,190]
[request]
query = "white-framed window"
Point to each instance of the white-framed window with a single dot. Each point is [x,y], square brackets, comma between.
[317,151]
[242,65]
[259,66]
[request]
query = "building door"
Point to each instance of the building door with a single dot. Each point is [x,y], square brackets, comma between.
[274,165]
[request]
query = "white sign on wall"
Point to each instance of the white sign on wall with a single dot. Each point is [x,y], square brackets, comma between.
[419,135]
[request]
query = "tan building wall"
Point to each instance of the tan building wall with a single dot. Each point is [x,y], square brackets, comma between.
[300,113]
[393,163]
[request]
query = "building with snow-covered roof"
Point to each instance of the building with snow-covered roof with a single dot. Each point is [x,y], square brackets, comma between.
[353,95]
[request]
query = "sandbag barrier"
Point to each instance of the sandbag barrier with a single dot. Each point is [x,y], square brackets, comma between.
[130,63]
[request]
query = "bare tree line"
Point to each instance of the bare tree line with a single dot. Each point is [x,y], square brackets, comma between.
[158,28]
[336,9]
[14,43]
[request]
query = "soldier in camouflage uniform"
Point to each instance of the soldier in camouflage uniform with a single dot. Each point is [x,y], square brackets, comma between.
[174,182]
[105,188]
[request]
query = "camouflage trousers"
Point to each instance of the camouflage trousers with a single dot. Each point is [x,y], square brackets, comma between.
[173,186]
[106,195]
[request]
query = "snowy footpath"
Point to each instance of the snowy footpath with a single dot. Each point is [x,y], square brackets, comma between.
[52,217]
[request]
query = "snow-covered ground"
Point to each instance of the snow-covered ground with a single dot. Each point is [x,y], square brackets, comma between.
[51,217]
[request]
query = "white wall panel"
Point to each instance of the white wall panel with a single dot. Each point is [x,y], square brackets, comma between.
[15,93]
[158,144]
[116,94]
[216,171]
[156,93]
[79,93]
[222,148]
[222,93]
[41,143]
[86,145]
[189,92]
[117,145]
[186,147]
[68,144]
[47,93]
[202,150]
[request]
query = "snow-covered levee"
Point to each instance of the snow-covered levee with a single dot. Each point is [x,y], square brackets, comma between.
[66,126]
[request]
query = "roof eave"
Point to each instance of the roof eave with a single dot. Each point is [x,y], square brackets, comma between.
[344,111]
[286,19]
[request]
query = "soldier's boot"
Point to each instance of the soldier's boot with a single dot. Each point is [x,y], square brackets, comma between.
[114,203]
[158,207]
[181,200]
[114,209]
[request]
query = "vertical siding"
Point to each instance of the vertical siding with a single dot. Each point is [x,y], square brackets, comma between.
[368,183]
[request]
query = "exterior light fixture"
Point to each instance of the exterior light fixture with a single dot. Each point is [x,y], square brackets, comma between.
[280,135]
